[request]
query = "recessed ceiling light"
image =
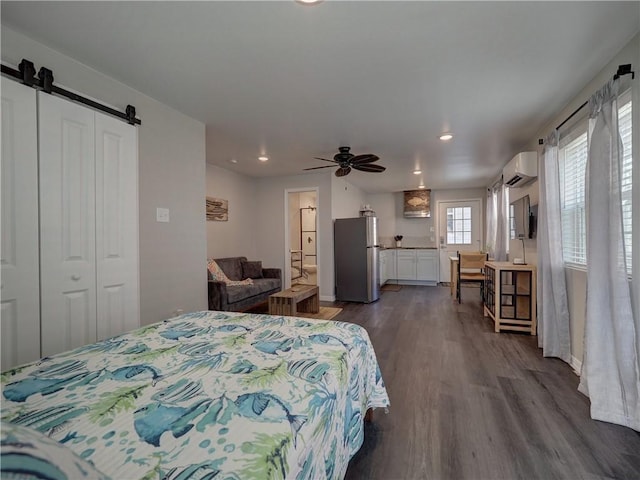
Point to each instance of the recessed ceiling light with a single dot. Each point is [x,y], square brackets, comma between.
[417,172]
[309,2]
[233,160]
[263,158]
[446,136]
[421,186]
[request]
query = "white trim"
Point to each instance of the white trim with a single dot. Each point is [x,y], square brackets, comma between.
[286,278]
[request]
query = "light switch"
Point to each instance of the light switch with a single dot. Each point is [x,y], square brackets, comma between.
[432,229]
[162,215]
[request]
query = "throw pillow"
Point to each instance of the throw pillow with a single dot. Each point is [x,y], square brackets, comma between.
[219,276]
[252,269]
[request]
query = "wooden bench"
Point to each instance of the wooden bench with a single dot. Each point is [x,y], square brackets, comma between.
[299,298]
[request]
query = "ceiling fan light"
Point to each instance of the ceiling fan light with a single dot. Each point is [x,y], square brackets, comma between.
[263,158]
[446,136]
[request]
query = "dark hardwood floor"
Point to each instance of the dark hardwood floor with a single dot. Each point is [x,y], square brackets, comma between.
[468,403]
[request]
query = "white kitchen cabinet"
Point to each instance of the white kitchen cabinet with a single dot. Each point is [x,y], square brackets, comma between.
[382,267]
[414,266]
[391,265]
[427,265]
[406,265]
[387,266]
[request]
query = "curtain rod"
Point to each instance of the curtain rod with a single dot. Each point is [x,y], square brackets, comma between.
[622,70]
[44,81]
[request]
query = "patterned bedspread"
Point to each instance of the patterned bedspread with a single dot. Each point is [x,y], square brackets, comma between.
[207,395]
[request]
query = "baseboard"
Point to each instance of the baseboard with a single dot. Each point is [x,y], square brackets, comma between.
[576,365]
[327,298]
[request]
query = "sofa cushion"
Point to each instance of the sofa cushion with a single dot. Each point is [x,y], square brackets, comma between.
[232,266]
[260,285]
[219,275]
[252,269]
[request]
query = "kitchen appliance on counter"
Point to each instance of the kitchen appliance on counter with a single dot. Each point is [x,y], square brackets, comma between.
[356,259]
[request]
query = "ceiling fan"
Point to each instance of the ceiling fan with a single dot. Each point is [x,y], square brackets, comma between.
[346,161]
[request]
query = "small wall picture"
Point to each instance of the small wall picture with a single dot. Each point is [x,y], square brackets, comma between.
[217,210]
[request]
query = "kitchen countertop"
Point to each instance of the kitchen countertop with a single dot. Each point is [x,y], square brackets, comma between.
[408,248]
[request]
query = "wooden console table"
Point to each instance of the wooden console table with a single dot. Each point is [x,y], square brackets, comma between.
[510,296]
[299,298]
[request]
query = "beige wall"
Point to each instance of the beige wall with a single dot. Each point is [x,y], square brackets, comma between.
[577,279]
[270,202]
[237,236]
[171,162]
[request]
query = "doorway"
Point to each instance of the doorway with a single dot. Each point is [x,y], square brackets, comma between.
[459,229]
[301,236]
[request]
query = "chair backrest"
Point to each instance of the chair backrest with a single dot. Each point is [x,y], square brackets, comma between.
[471,261]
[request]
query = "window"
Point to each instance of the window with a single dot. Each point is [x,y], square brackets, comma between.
[459,225]
[573,151]
[573,162]
[624,125]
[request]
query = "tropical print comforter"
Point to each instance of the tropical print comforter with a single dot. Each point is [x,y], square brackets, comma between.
[207,395]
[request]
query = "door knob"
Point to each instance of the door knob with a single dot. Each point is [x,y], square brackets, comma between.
[75,277]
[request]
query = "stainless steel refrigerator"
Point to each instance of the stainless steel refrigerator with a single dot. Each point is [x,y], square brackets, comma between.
[356,259]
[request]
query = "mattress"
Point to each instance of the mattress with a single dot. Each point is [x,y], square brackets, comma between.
[207,395]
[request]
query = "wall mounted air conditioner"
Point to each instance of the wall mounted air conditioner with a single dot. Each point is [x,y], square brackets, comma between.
[521,170]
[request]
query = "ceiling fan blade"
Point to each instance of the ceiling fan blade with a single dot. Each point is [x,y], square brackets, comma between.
[369,168]
[365,158]
[325,159]
[315,168]
[342,171]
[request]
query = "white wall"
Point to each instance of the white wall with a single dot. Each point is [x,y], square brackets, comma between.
[171,156]
[577,279]
[346,199]
[416,232]
[271,207]
[530,244]
[237,236]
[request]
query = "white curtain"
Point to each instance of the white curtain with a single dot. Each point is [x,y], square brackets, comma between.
[553,310]
[497,221]
[610,374]
[492,220]
[502,224]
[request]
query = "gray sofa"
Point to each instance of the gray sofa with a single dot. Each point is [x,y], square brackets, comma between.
[237,298]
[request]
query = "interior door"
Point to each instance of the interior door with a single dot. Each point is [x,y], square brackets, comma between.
[459,229]
[67,224]
[116,226]
[20,292]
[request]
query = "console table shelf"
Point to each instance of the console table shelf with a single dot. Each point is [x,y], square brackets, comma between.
[510,296]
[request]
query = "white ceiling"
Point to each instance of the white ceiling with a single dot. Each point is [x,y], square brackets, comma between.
[295,82]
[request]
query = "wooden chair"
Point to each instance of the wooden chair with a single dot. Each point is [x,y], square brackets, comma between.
[470,270]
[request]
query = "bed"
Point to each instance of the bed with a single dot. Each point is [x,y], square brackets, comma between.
[204,395]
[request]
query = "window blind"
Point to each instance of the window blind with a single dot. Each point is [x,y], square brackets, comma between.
[624,126]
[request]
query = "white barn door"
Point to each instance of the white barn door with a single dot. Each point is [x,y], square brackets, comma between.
[20,292]
[67,224]
[116,226]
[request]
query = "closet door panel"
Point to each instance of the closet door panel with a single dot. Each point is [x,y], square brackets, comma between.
[20,292]
[67,224]
[116,226]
